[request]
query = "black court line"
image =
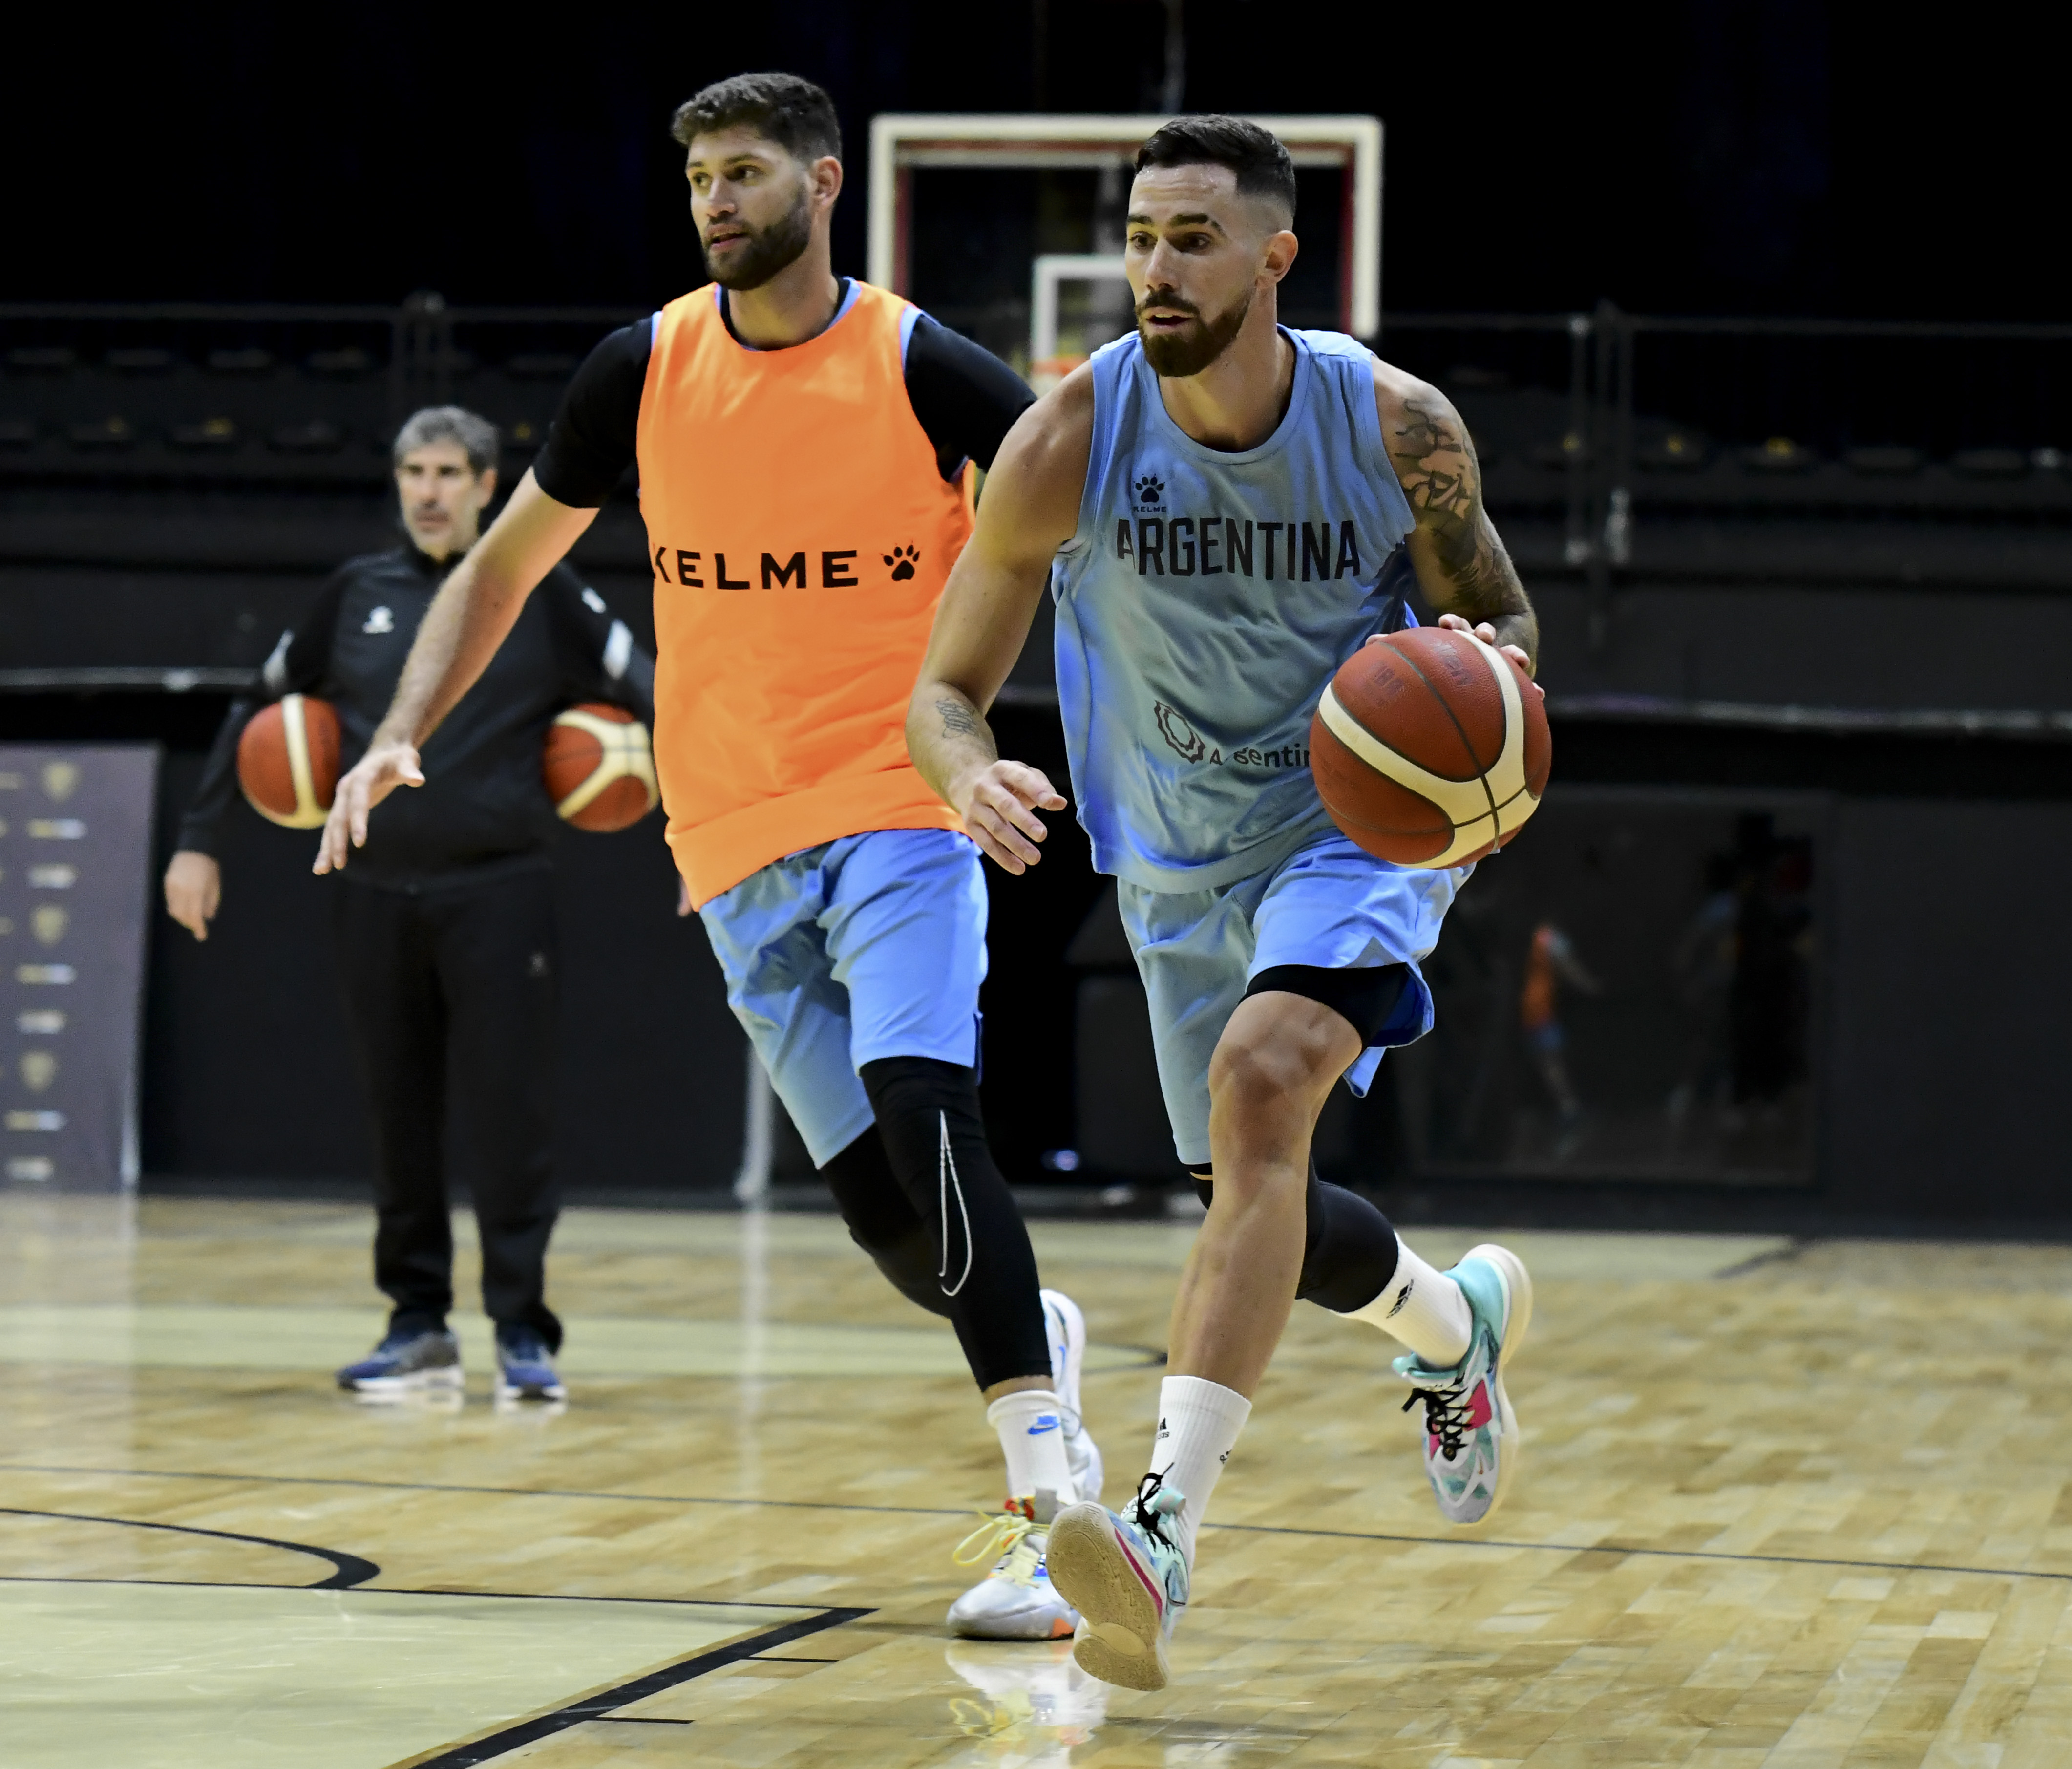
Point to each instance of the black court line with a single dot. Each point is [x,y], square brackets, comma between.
[1777,1256]
[1635,1549]
[931,1511]
[598,1706]
[348,1569]
[410,1591]
[502,1492]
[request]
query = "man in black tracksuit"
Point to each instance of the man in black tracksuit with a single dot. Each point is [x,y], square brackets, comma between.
[446,931]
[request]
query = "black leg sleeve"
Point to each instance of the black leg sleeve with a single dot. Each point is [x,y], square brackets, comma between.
[883,1224]
[1348,1246]
[985,1268]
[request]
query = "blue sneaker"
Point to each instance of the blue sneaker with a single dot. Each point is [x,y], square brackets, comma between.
[1129,1582]
[525,1368]
[1470,1431]
[412,1361]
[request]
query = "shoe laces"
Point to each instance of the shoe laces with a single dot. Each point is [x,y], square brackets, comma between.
[1004,1539]
[1155,1502]
[1445,1414]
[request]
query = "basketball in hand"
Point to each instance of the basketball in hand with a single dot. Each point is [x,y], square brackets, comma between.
[600,771]
[1431,748]
[287,761]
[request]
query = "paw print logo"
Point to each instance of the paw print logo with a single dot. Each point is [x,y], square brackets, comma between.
[902,560]
[1149,489]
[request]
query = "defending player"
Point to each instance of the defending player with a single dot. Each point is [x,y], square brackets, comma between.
[804,441]
[1225,511]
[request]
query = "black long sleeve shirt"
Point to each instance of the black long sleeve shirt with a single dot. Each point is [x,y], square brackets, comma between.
[483,806]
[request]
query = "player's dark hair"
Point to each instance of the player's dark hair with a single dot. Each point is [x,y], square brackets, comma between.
[793,112]
[1255,154]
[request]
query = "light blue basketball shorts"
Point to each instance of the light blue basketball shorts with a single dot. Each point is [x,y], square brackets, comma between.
[869,946]
[1328,904]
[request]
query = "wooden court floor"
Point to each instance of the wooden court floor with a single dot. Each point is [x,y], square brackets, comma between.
[1789,1506]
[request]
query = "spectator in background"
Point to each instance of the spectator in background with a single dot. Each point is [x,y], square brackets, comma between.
[446,930]
[1550,962]
[1703,964]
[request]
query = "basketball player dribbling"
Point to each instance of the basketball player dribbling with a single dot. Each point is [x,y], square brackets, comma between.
[804,444]
[1225,510]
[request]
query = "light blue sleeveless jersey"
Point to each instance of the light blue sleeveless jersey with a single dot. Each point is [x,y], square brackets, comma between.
[1202,605]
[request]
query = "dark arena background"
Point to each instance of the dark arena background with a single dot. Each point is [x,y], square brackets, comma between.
[1756,312]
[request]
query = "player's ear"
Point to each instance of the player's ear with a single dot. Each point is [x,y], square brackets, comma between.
[1279,254]
[824,178]
[485,480]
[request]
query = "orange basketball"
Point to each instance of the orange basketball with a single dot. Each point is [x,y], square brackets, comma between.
[1431,748]
[600,770]
[287,761]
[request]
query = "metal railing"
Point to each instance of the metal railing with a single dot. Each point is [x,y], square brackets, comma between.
[1596,422]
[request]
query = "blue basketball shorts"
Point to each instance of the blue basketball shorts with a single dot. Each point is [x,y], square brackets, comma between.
[1328,904]
[870,947]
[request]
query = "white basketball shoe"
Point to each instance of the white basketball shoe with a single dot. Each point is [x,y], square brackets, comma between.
[1067,1327]
[1016,1601]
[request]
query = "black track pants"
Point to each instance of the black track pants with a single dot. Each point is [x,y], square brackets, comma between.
[449,999]
[922,1197]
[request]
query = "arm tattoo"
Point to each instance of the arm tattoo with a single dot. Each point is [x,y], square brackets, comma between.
[959,718]
[1435,460]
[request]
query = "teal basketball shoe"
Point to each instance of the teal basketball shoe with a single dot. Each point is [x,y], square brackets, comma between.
[1470,1431]
[1129,1582]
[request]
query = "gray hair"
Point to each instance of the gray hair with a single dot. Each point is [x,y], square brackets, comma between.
[476,435]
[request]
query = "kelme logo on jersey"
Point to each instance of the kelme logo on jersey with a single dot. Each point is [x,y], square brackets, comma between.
[1150,493]
[831,568]
[1188,546]
[902,560]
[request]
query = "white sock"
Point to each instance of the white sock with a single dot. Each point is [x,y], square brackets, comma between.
[1424,1308]
[1031,1424]
[1199,1423]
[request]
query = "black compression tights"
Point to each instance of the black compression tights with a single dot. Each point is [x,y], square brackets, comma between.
[1348,1248]
[921,1196]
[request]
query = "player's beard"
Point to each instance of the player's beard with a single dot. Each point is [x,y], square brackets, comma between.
[774,249]
[1176,355]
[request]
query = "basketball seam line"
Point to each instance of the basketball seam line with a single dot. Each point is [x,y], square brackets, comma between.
[625,756]
[1336,714]
[1488,792]
[295,729]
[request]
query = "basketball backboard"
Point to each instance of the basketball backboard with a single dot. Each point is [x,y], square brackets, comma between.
[902,143]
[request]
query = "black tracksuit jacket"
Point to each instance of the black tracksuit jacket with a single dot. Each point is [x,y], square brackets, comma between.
[483,808]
